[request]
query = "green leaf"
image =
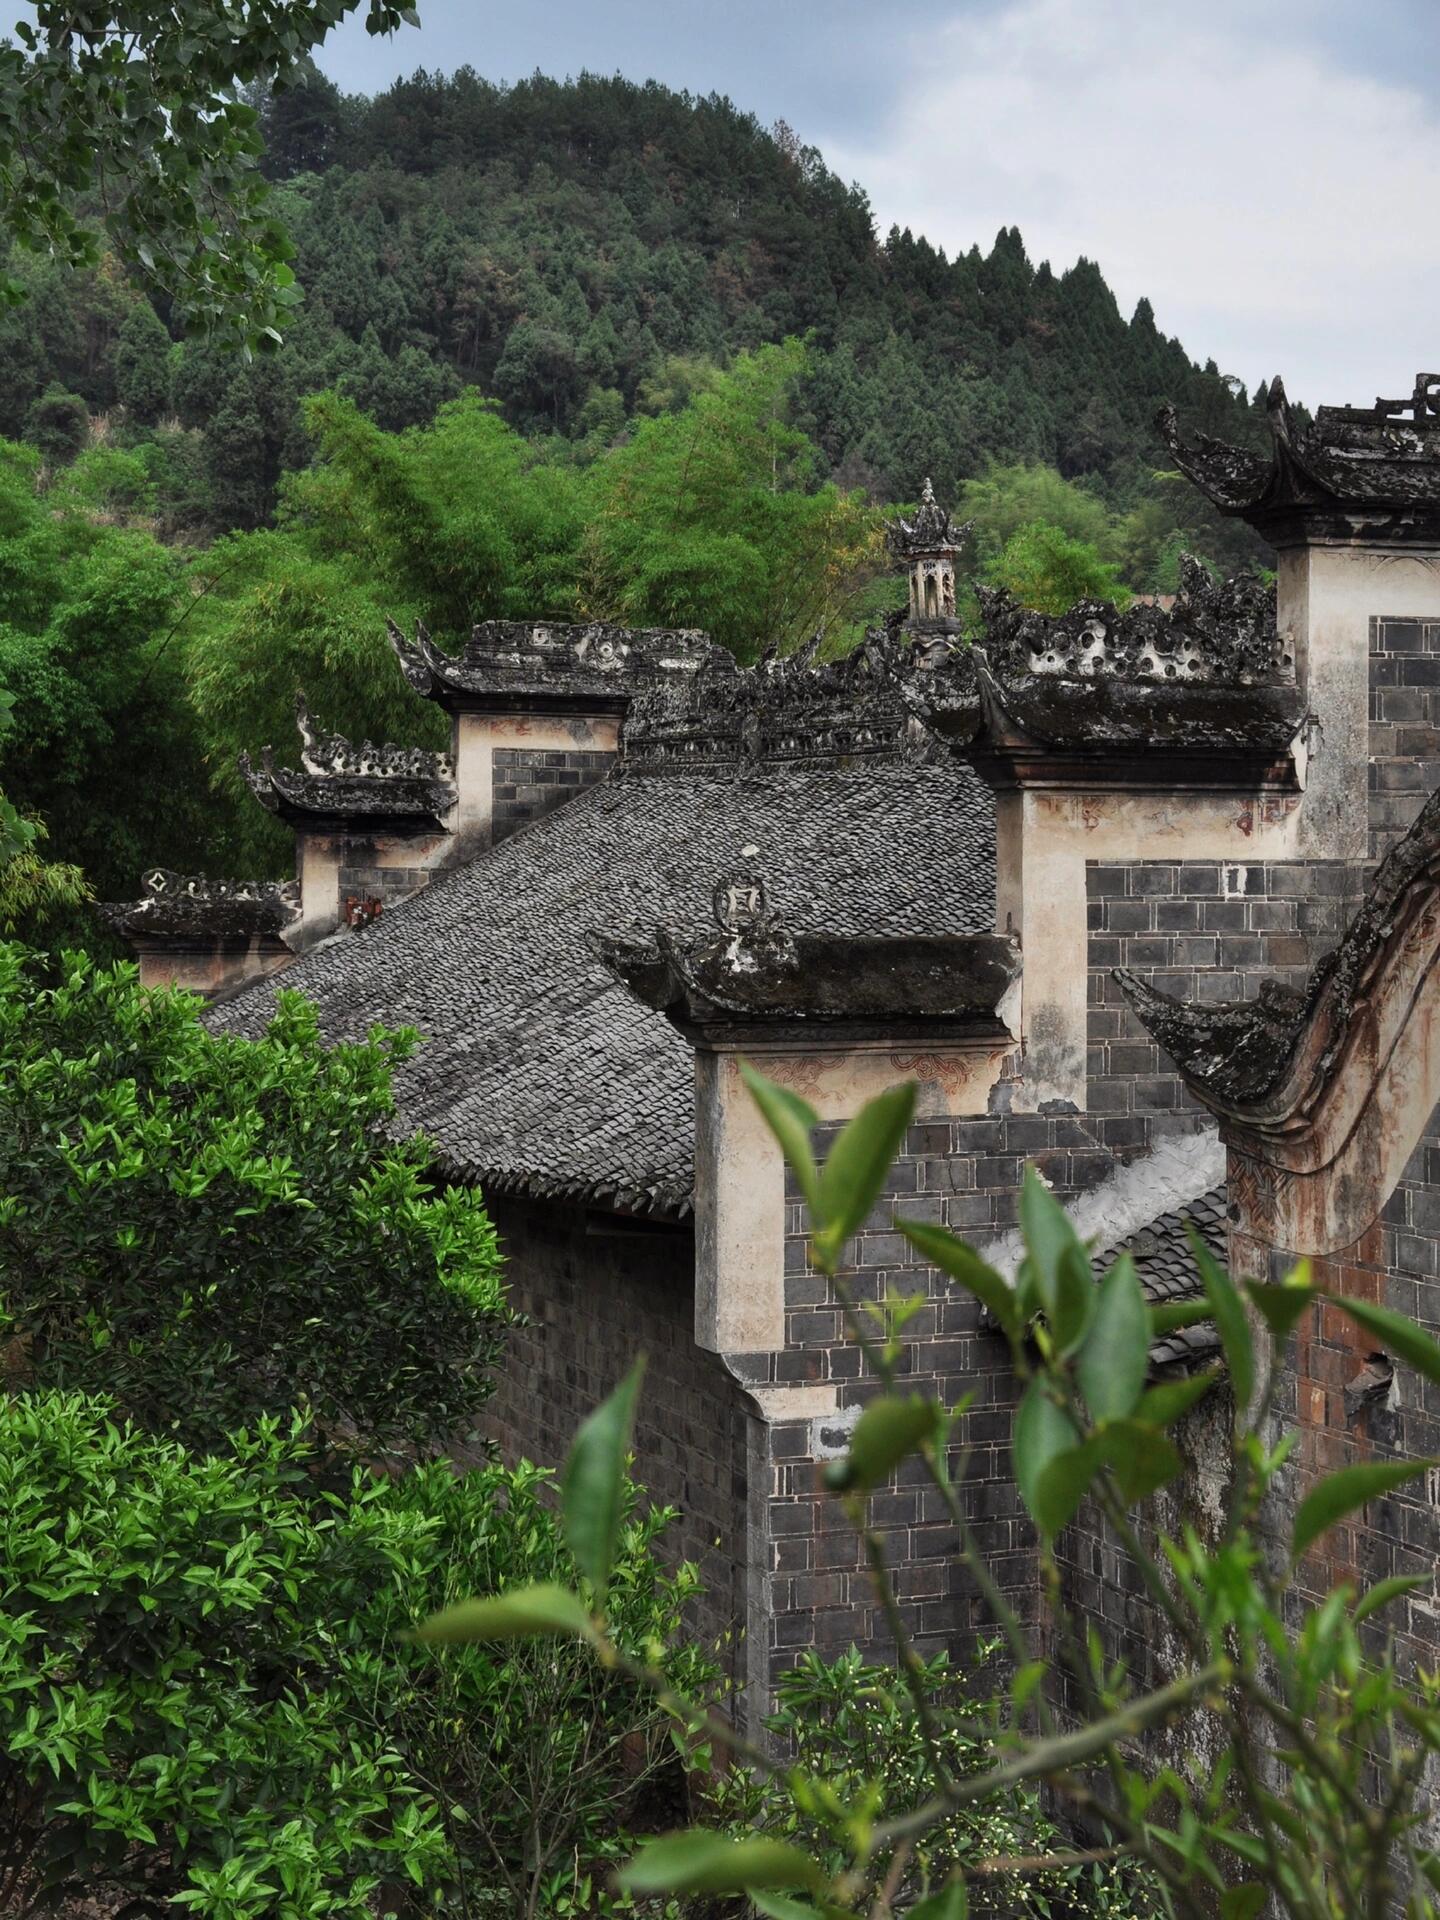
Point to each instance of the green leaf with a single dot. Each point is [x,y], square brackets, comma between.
[1230,1321]
[1396,1334]
[1075,1302]
[779,1906]
[885,1434]
[962,1263]
[1340,1493]
[950,1903]
[1385,1591]
[1048,1237]
[526,1612]
[1243,1903]
[700,1862]
[1116,1355]
[1140,1456]
[1163,1405]
[856,1168]
[1280,1307]
[592,1488]
[792,1122]
[1063,1483]
[1043,1432]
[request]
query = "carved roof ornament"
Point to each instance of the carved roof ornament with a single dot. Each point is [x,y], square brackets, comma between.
[521,665]
[402,787]
[1113,697]
[931,531]
[1323,1092]
[178,906]
[1355,473]
[900,987]
[740,899]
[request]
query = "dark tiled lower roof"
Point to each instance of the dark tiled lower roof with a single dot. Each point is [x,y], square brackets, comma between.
[540,1071]
[1166,1266]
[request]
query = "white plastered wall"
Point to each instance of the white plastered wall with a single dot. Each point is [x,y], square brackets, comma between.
[476,737]
[1044,841]
[1326,598]
[740,1172]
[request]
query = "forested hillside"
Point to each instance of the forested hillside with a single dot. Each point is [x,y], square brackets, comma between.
[588,350]
[582,250]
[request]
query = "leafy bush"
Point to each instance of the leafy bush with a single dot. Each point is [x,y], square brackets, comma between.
[854,1725]
[172,1723]
[1294,1773]
[546,1759]
[210,1229]
[205,1698]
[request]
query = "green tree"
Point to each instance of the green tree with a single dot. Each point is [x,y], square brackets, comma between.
[712,517]
[142,365]
[133,106]
[58,423]
[1045,569]
[211,1229]
[103,744]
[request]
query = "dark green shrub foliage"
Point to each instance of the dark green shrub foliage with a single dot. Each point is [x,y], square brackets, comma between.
[172,1722]
[204,1699]
[210,1229]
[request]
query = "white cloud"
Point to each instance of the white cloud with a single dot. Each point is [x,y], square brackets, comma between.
[1276,207]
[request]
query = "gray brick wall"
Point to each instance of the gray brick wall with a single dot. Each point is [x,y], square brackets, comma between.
[527,783]
[821,1594]
[593,1298]
[388,885]
[1396,1264]
[1404,725]
[1205,931]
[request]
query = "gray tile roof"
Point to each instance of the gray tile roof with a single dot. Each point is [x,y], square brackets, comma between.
[1168,1275]
[540,1071]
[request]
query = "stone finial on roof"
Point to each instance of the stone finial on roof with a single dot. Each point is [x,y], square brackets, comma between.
[930,531]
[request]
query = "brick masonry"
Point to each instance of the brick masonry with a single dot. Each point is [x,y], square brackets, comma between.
[528,783]
[821,1595]
[1323,1397]
[1404,725]
[1203,931]
[596,1293]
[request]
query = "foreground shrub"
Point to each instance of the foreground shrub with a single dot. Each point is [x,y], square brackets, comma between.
[1286,1763]
[856,1726]
[210,1229]
[205,1699]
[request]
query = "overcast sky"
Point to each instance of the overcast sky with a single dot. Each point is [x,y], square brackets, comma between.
[1267,171]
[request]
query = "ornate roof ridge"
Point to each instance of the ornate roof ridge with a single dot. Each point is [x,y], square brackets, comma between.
[796,711]
[1221,631]
[337,777]
[178,903]
[582,662]
[1377,461]
[754,969]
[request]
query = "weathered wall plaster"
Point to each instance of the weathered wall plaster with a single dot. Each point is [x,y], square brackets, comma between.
[1326,598]
[475,738]
[1044,841]
[740,1172]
